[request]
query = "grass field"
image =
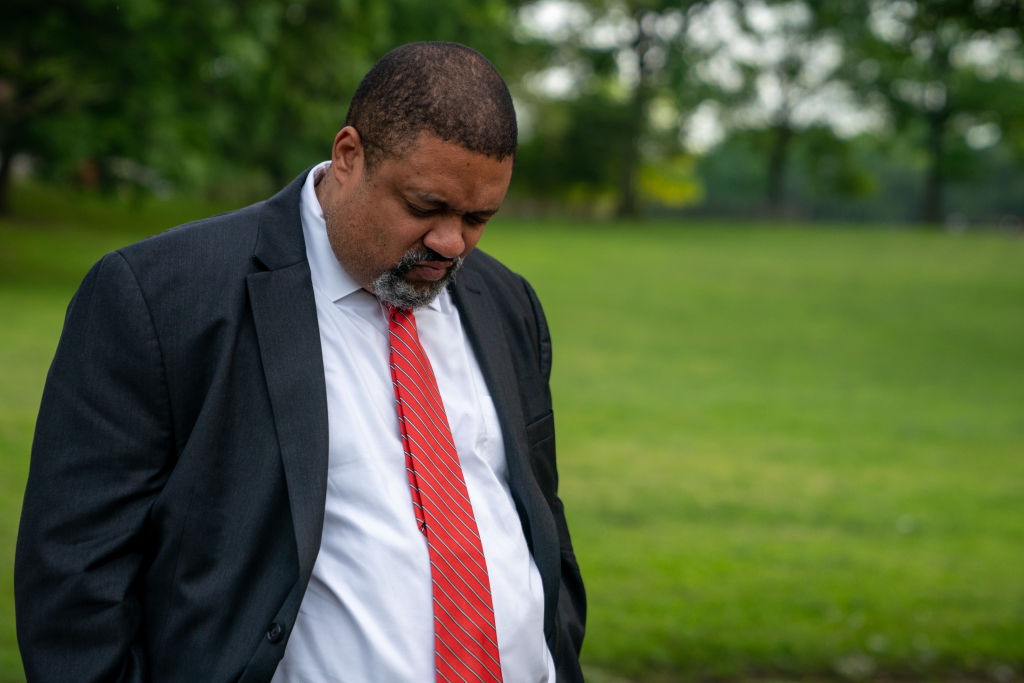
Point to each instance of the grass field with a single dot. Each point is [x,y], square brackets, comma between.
[786,452]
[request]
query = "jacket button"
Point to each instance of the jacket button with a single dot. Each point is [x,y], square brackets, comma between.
[275,632]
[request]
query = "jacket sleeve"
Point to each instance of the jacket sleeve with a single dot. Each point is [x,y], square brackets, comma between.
[103,447]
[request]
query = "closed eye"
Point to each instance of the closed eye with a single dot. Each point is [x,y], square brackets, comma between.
[420,211]
[475,219]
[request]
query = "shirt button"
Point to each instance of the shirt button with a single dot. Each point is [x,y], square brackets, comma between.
[275,632]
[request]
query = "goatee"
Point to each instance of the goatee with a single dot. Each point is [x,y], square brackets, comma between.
[392,287]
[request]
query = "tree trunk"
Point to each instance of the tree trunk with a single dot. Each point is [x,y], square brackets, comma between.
[627,206]
[933,207]
[778,160]
[6,157]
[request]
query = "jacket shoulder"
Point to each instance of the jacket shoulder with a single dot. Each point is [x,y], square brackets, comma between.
[515,304]
[500,281]
[229,231]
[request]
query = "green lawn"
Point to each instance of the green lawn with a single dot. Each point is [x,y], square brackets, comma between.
[785,452]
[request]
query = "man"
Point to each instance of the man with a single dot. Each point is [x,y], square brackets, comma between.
[287,444]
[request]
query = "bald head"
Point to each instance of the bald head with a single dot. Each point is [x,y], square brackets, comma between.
[446,89]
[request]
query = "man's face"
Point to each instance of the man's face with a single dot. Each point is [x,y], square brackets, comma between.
[402,230]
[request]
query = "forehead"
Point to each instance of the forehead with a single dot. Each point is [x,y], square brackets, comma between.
[446,171]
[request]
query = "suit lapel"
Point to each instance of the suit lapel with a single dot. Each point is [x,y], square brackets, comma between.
[284,314]
[489,340]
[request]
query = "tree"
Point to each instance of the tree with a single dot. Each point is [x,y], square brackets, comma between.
[791,57]
[107,81]
[632,59]
[188,95]
[51,61]
[944,67]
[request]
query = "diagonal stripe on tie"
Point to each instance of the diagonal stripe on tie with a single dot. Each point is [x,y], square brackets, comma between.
[465,642]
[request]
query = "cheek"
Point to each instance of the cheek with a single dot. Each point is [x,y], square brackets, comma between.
[396,234]
[407,232]
[360,242]
[471,237]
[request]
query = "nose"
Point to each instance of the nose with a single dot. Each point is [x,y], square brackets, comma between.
[446,237]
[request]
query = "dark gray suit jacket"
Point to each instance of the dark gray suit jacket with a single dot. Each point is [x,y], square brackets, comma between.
[176,491]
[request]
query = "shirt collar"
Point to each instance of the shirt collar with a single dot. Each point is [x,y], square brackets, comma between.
[328,276]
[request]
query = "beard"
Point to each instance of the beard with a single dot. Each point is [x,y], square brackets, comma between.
[392,287]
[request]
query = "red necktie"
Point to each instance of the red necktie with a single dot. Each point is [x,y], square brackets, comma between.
[465,644]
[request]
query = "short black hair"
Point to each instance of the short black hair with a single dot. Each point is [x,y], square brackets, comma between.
[446,89]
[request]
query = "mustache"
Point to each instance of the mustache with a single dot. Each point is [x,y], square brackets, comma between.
[414,256]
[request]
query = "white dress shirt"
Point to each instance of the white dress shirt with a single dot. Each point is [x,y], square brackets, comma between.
[367,614]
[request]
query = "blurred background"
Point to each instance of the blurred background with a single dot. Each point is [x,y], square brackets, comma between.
[885,110]
[780,246]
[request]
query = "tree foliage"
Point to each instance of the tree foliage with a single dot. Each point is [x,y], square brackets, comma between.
[617,96]
[154,93]
[951,74]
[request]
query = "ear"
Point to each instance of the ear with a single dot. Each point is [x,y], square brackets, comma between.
[347,154]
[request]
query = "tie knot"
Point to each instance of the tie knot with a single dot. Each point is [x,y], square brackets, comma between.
[400,316]
[392,309]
